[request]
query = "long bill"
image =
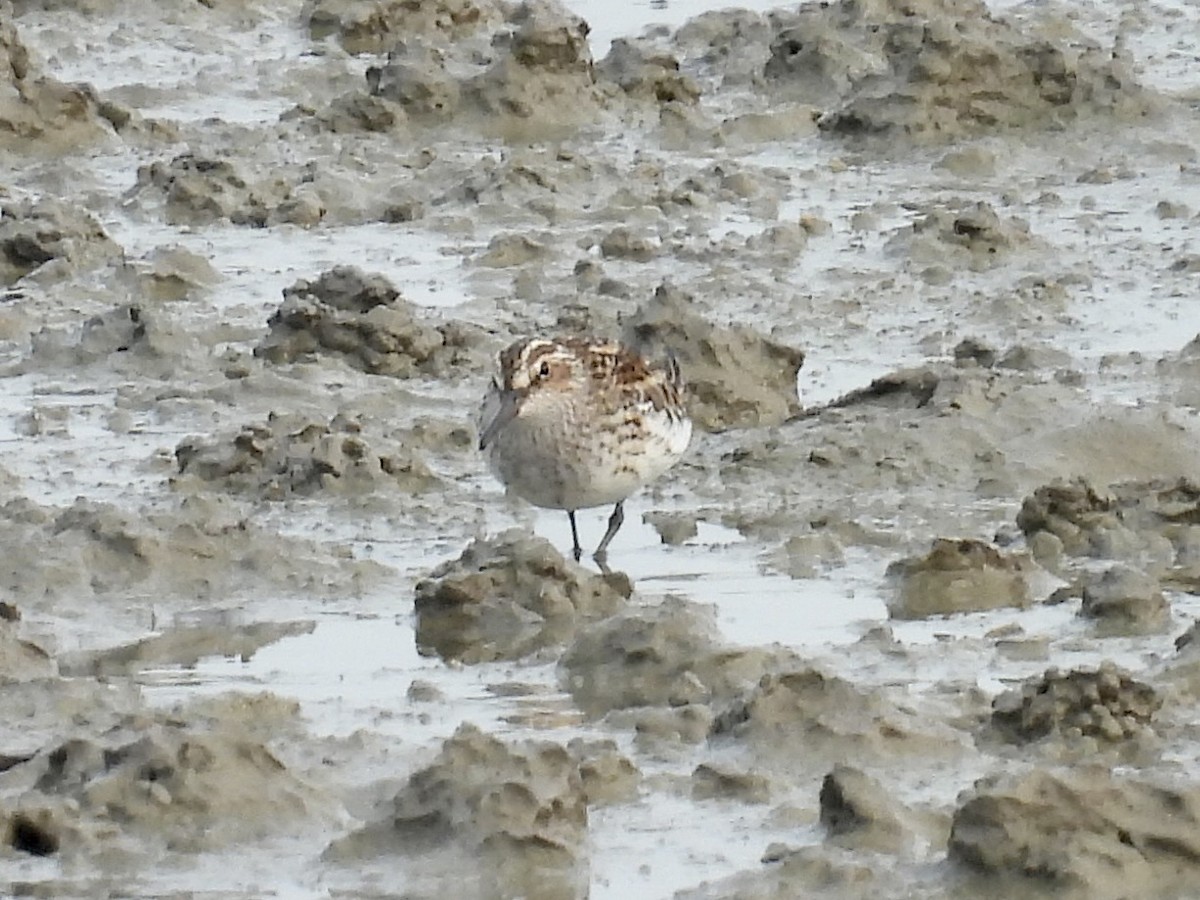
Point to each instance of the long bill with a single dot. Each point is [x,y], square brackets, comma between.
[500,408]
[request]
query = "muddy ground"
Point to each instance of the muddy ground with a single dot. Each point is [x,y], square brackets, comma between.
[914,616]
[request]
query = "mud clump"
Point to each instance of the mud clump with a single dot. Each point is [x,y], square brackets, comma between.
[507,819]
[508,597]
[1074,512]
[970,237]
[171,273]
[22,660]
[1084,831]
[190,789]
[833,719]
[904,389]
[129,338]
[358,111]
[1107,704]
[609,776]
[289,456]
[1183,671]
[366,26]
[1190,638]
[1125,601]
[35,832]
[41,114]
[673,528]
[535,74]
[647,74]
[1150,525]
[416,80]
[364,319]
[858,813]
[199,191]
[549,74]
[941,69]
[621,243]
[88,551]
[710,782]
[957,576]
[667,655]
[731,44]
[736,377]
[36,234]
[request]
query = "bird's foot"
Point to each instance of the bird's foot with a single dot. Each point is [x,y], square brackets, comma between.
[600,557]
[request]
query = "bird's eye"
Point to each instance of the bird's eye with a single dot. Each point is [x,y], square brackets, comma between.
[544,370]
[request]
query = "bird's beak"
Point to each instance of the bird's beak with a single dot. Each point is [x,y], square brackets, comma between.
[500,408]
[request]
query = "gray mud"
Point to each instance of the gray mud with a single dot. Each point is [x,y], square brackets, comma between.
[913,618]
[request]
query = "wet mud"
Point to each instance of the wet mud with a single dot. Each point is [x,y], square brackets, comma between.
[267,627]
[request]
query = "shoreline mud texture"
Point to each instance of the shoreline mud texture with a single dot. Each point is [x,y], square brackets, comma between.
[915,616]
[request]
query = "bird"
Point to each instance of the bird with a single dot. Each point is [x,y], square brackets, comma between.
[573,423]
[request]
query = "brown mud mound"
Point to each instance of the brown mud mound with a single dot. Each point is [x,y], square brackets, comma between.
[368,26]
[1182,671]
[665,655]
[1073,512]
[1181,370]
[804,872]
[609,776]
[719,782]
[729,45]
[40,114]
[647,74]
[34,234]
[904,389]
[1082,833]
[501,819]
[175,786]
[172,272]
[957,576]
[971,237]
[736,377]
[508,597]
[197,191]
[834,720]
[21,660]
[859,813]
[1107,704]
[416,80]
[45,711]
[535,72]
[1125,601]
[364,319]
[290,455]
[941,69]
[130,338]
[1152,525]
[982,433]
[202,552]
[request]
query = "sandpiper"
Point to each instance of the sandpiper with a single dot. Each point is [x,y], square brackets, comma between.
[570,424]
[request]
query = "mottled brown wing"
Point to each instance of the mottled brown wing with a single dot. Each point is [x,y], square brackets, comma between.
[618,369]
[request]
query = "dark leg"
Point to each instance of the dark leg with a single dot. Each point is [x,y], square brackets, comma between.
[614,525]
[578,551]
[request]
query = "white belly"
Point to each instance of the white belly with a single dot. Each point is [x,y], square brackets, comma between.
[578,470]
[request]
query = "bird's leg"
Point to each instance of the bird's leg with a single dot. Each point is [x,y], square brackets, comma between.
[614,525]
[578,551]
